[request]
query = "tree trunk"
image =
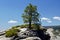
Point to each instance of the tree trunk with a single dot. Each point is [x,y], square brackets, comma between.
[29,24]
[30,19]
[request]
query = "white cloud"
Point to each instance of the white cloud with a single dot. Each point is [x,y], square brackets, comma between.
[12,21]
[46,19]
[57,18]
[49,21]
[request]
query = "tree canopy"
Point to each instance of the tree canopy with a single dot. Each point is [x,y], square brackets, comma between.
[30,15]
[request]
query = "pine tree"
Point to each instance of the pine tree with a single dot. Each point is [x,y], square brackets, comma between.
[30,15]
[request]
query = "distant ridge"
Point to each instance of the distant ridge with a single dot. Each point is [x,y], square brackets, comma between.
[54,27]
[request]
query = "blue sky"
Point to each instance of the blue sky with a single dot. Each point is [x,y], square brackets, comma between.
[11,11]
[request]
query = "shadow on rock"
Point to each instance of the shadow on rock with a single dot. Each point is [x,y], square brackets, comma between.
[32,33]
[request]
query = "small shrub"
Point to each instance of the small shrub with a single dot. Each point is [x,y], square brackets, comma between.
[35,26]
[11,32]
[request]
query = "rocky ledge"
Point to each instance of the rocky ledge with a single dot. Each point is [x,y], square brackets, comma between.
[26,34]
[32,35]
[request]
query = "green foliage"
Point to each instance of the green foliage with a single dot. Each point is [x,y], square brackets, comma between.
[11,32]
[34,26]
[30,15]
[24,26]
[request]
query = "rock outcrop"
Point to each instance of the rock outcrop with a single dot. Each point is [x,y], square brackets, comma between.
[55,36]
[4,38]
[29,34]
[26,34]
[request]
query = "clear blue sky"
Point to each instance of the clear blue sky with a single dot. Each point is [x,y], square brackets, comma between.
[11,11]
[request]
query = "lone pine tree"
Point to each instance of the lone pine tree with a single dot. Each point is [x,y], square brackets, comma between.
[30,15]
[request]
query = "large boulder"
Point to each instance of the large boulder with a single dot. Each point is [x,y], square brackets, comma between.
[33,33]
[50,31]
[27,33]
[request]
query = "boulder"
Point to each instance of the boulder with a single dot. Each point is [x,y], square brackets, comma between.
[28,33]
[34,33]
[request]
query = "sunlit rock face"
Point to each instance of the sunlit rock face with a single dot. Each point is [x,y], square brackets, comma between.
[49,30]
[23,29]
[31,38]
[24,33]
[28,35]
[33,35]
[53,36]
[4,38]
